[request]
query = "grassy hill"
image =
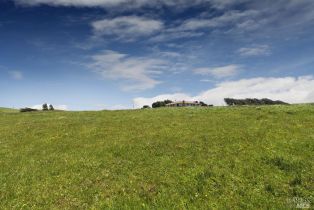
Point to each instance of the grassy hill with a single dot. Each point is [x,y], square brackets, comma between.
[189,158]
[2,109]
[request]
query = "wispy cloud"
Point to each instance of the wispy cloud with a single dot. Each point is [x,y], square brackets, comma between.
[138,73]
[256,50]
[127,27]
[219,72]
[257,16]
[200,26]
[168,35]
[17,75]
[230,17]
[129,3]
[77,3]
[289,89]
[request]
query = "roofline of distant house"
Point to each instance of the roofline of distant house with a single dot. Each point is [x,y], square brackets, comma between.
[183,102]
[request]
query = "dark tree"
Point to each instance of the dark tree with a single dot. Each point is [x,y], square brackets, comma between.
[161,103]
[28,110]
[252,101]
[146,107]
[167,101]
[158,104]
[51,107]
[203,104]
[45,107]
[229,101]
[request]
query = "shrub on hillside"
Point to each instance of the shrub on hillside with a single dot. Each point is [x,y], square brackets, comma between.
[161,103]
[204,104]
[252,101]
[28,110]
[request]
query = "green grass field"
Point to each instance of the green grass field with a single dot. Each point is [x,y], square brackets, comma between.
[7,110]
[189,158]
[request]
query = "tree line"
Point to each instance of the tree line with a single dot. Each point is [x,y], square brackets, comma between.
[163,103]
[45,107]
[229,102]
[252,101]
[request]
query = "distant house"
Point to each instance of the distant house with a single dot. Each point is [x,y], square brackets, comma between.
[184,104]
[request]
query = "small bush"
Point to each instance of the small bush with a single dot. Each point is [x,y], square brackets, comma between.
[28,110]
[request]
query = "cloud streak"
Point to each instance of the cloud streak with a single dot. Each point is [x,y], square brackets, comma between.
[126,27]
[257,50]
[17,75]
[128,3]
[218,72]
[138,73]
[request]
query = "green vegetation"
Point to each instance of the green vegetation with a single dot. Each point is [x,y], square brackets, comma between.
[159,104]
[175,158]
[253,101]
[7,110]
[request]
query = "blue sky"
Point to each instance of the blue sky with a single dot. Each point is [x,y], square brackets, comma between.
[117,54]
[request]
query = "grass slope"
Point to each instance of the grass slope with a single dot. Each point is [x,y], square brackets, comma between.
[6,110]
[226,158]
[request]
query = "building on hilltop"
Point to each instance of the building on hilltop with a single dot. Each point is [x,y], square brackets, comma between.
[184,104]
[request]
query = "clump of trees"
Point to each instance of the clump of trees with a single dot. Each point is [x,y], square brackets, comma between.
[158,104]
[45,107]
[252,101]
[146,107]
[28,110]
[204,104]
[48,108]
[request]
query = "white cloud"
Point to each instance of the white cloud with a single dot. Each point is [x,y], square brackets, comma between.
[197,27]
[17,75]
[272,11]
[56,107]
[288,89]
[127,3]
[169,35]
[255,50]
[256,16]
[170,54]
[78,3]
[221,4]
[137,72]
[218,72]
[126,27]
[230,17]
